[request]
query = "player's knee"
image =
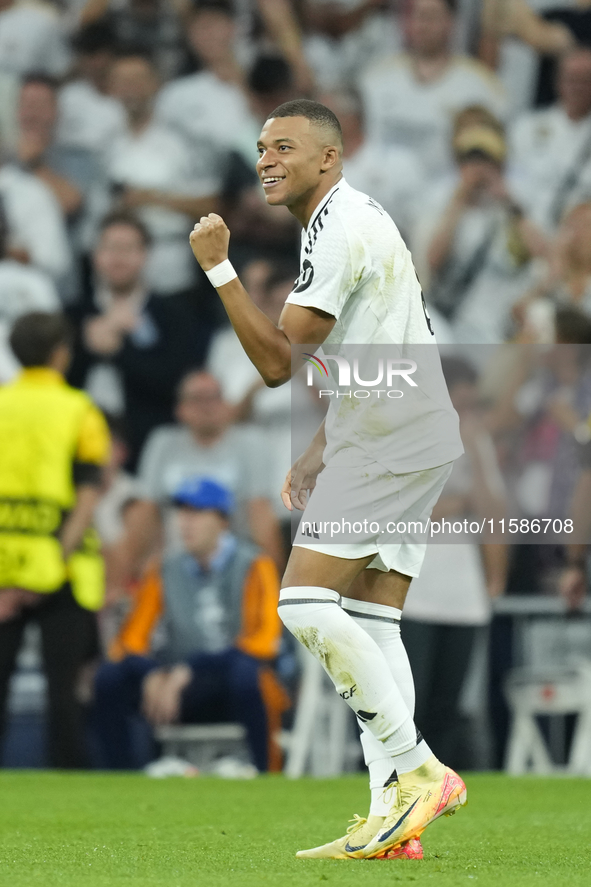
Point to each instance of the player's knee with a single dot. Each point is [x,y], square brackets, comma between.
[300,606]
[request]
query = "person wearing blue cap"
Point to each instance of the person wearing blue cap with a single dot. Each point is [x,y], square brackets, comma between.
[199,493]
[199,642]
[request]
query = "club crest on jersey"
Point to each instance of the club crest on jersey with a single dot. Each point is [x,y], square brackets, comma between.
[306,277]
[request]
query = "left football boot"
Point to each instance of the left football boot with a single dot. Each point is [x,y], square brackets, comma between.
[422,796]
[359,834]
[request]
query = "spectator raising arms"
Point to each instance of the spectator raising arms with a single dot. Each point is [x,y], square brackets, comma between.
[410,99]
[516,18]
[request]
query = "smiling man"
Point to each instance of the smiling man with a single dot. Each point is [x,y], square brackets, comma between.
[357,286]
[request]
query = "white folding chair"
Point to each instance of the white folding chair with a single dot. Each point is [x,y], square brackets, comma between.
[559,692]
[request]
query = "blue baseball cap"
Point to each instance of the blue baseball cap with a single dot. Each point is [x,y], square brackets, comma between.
[202,493]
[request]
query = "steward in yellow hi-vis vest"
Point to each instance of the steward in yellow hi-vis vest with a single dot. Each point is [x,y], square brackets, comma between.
[53,440]
[53,445]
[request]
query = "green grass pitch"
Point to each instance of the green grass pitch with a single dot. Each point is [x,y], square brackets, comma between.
[103,830]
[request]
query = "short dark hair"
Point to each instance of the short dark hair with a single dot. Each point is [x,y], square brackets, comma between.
[314,111]
[124,217]
[96,37]
[36,335]
[270,74]
[225,7]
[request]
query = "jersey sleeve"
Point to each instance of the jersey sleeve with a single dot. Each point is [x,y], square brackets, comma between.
[331,269]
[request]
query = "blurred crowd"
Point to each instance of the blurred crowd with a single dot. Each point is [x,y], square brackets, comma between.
[124,121]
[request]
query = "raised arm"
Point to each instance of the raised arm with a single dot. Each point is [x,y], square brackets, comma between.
[268,346]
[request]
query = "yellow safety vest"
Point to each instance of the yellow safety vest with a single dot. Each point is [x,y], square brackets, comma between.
[46,427]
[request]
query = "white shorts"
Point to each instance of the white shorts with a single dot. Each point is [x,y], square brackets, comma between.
[359,508]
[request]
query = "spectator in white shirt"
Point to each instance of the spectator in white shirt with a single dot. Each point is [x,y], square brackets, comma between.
[31,39]
[389,174]
[473,244]
[411,98]
[513,36]
[37,112]
[22,289]
[551,149]
[344,36]
[153,171]
[88,116]
[37,231]
[72,173]
[209,106]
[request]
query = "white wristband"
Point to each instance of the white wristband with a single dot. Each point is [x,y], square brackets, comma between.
[221,274]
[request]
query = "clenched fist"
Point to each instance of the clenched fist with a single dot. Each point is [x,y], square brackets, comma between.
[209,241]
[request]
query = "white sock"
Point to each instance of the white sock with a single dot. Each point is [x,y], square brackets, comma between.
[382,623]
[353,661]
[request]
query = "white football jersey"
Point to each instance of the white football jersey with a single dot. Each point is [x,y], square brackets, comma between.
[355,266]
